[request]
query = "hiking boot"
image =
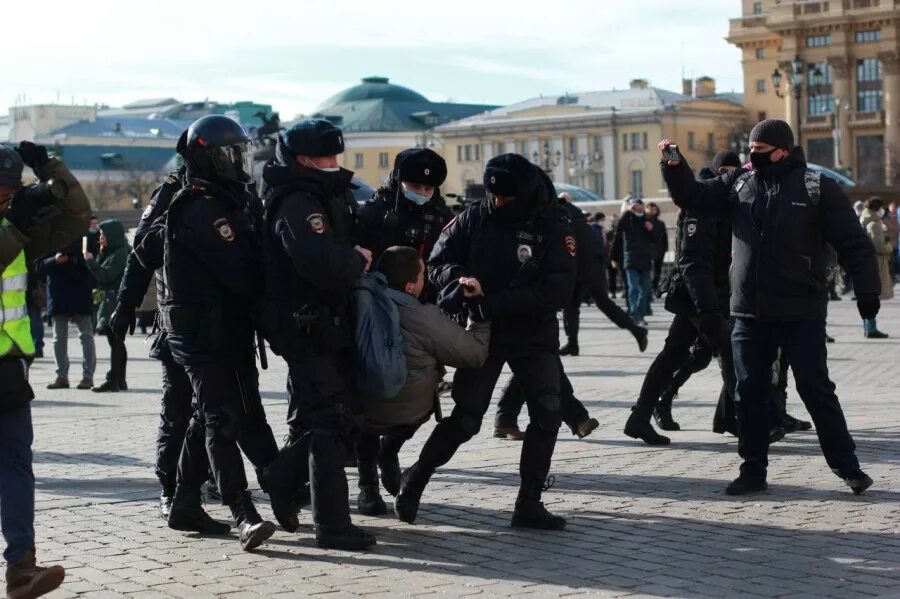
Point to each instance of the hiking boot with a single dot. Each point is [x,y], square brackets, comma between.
[284,507]
[26,580]
[406,505]
[351,538]
[569,349]
[59,383]
[662,414]
[86,383]
[857,480]
[107,387]
[389,465]
[585,427]
[165,503]
[187,514]
[639,427]
[369,501]
[513,433]
[253,530]
[640,335]
[746,484]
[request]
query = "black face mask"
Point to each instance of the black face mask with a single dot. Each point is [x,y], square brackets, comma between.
[761,161]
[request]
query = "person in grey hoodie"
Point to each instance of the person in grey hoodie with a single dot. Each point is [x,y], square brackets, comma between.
[432,341]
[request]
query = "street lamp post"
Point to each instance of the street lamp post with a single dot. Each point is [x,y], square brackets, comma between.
[796,85]
[546,160]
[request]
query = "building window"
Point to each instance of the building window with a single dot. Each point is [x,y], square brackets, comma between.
[382,159]
[598,144]
[524,151]
[478,152]
[467,153]
[357,161]
[501,148]
[870,160]
[711,141]
[573,146]
[598,184]
[692,140]
[821,151]
[761,116]
[760,53]
[757,8]
[864,37]
[637,184]
[760,86]
[635,141]
[818,41]
[459,153]
[870,95]
[624,142]
[820,99]
[644,140]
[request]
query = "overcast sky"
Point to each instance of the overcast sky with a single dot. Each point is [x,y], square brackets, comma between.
[295,54]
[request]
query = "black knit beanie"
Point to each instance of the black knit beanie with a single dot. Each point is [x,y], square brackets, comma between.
[724,158]
[773,132]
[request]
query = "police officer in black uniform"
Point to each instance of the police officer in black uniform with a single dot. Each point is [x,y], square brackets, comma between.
[698,296]
[313,261]
[407,211]
[176,410]
[213,275]
[516,252]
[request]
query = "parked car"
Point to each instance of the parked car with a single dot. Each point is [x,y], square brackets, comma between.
[579,194]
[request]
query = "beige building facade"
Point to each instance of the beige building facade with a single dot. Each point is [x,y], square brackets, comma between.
[603,141]
[846,54]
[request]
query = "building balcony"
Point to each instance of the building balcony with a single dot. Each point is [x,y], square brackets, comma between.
[867,120]
[818,122]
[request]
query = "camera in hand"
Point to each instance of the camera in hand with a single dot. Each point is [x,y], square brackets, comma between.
[672,153]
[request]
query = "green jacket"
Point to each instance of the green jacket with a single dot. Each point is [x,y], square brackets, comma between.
[108,269]
[50,236]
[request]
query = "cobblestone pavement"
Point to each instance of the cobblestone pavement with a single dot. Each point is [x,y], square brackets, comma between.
[650,522]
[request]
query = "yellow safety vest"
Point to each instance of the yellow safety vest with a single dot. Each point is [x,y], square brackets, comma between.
[15,327]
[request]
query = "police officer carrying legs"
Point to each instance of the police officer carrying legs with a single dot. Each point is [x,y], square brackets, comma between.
[407,211]
[782,216]
[312,264]
[212,268]
[516,251]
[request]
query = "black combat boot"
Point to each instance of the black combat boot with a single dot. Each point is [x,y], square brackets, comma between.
[531,513]
[857,480]
[389,464]
[569,349]
[746,484]
[638,427]
[165,502]
[369,501]
[187,514]
[412,485]
[252,528]
[640,335]
[662,414]
[351,538]
[284,507]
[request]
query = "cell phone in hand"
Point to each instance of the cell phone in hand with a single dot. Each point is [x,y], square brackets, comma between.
[469,288]
[672,153]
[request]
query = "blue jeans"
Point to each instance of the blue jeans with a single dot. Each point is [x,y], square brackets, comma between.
[755,346]
[16,482]
[37,329]
[639,284]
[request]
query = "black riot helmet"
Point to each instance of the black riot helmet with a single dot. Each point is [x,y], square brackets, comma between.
[218,147]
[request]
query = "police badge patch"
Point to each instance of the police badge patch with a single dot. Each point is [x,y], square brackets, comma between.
[224,229]
[524,253]
[571,246]
[316,223]
[691,228]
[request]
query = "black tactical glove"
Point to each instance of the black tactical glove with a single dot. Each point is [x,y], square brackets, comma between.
[868,306]
[31,206]
[33,155]
[122,320]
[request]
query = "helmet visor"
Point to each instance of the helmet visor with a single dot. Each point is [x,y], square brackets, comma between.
[233,162]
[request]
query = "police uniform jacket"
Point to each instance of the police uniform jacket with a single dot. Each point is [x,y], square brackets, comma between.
[416,226]
[779,234]
[524,256]
[311,267]
[212,260]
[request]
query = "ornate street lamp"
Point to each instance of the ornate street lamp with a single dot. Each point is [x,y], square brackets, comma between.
[796,85]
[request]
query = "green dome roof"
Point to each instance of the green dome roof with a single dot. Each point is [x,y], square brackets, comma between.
[373,88]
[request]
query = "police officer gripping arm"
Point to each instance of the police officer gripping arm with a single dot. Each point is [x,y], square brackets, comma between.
[782,217]
[516,252]
[34,221]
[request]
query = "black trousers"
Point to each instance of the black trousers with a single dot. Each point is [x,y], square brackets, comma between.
[229,416]
[683,333]
[370,443]
[513,397]
[538,373]
[118,358]
[803,344]
[596,288]
[657,274]
[174,417]
[325,406]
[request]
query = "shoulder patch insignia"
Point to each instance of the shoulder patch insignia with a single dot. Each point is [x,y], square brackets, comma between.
[691,227]
[147,211]
[224,229]
[571,245]
[524,253]
[316,223]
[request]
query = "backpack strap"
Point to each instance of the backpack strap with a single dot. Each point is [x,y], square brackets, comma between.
[741,181]
[813,182]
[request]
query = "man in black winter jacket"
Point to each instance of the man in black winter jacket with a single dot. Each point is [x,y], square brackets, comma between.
[633,244]
[782,216]
[514,254]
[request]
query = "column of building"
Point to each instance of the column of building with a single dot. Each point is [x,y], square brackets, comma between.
[890,64]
